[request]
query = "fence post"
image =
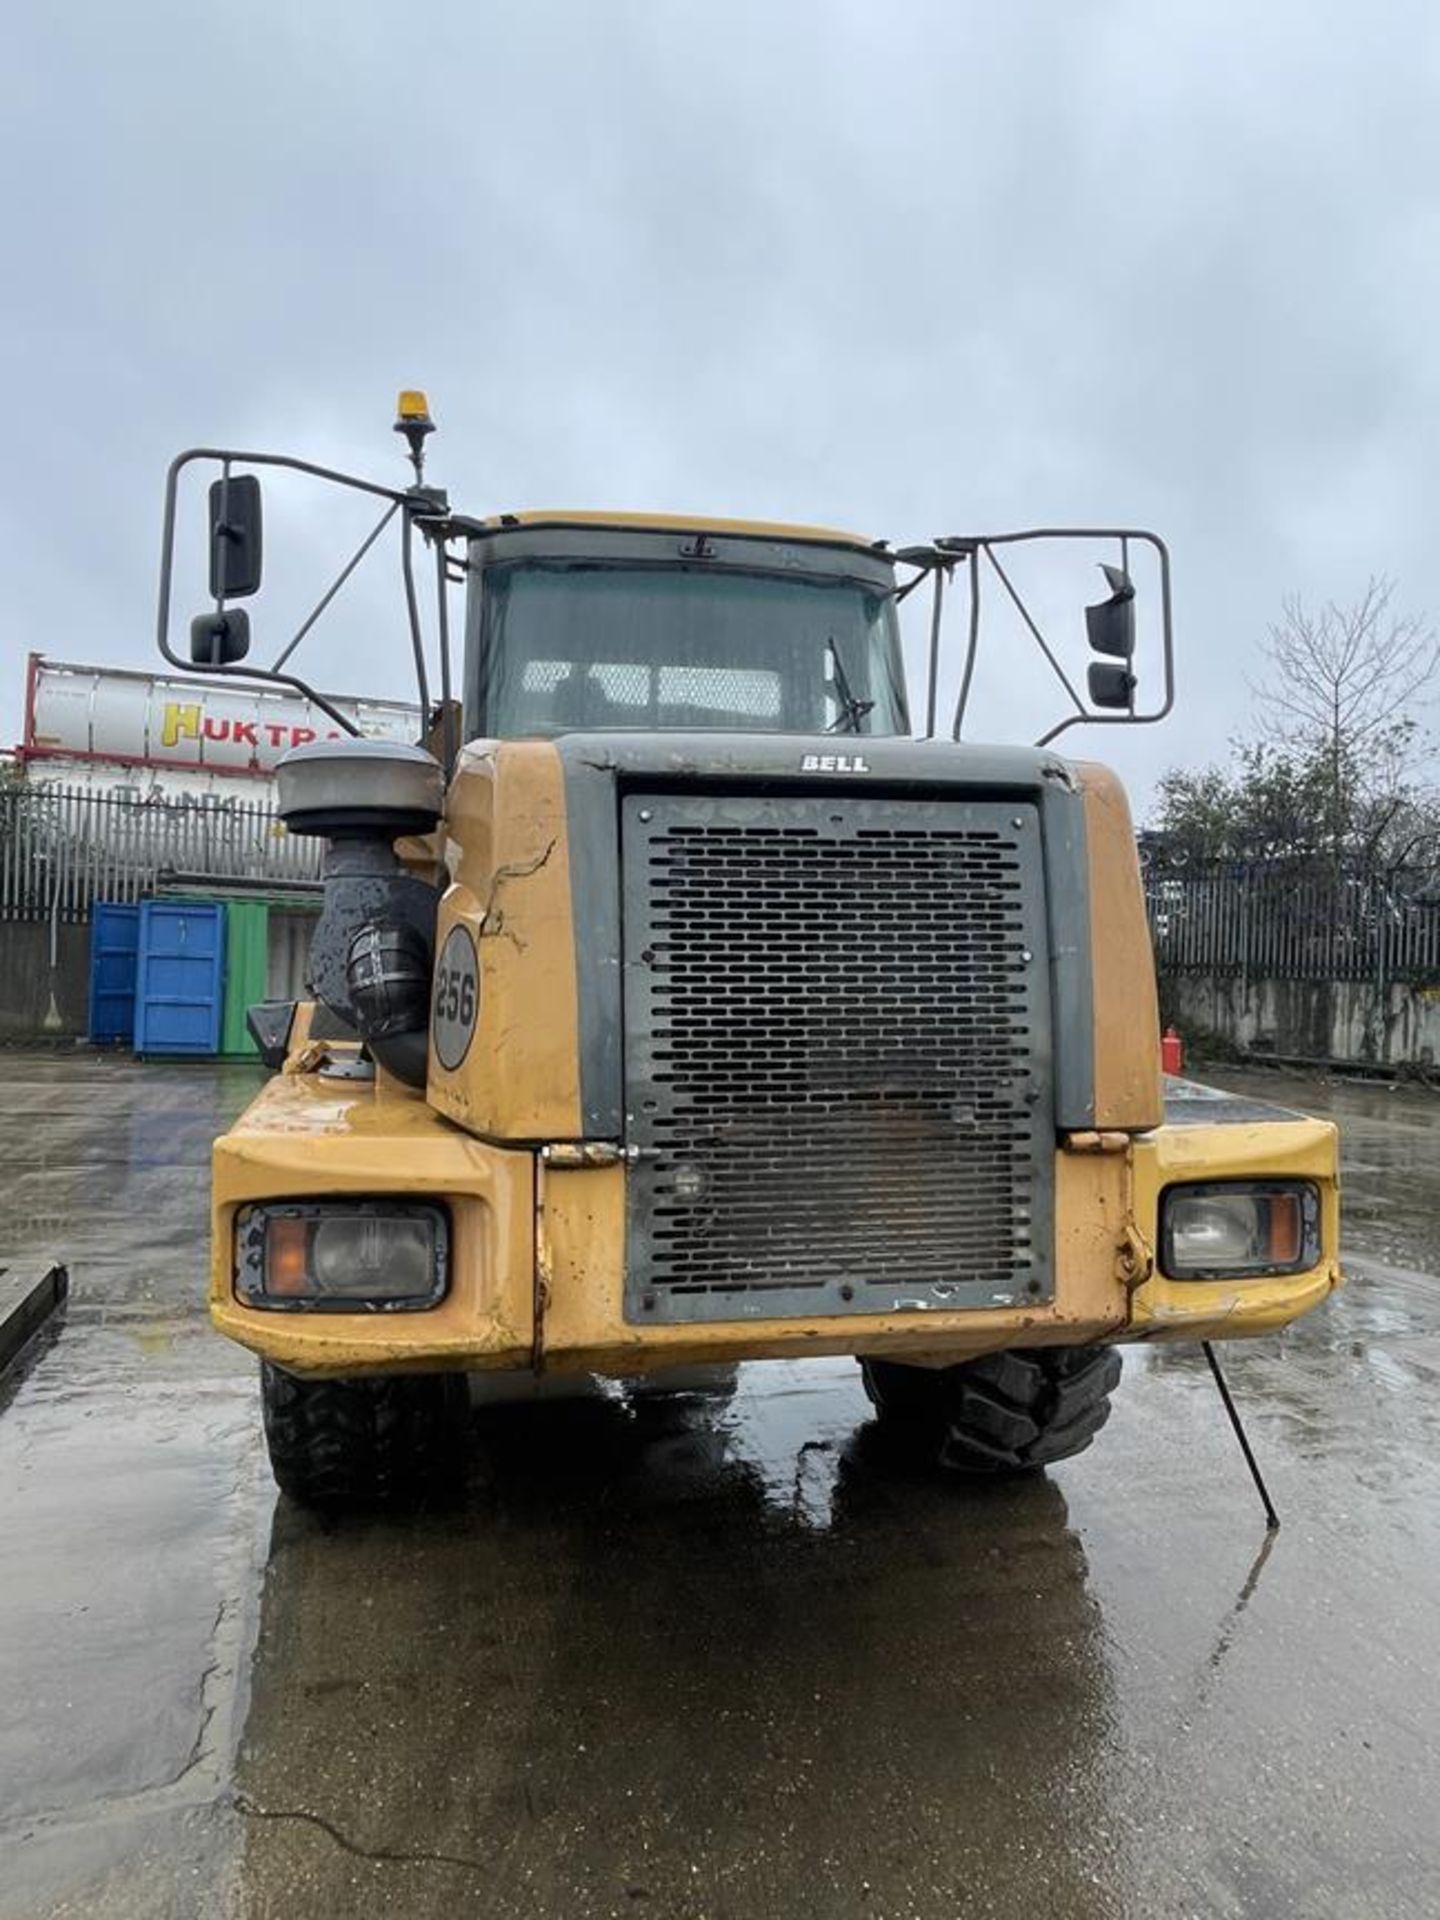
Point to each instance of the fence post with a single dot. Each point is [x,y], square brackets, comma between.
[1381,917]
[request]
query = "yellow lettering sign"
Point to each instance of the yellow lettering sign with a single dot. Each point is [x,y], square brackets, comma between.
[179,722]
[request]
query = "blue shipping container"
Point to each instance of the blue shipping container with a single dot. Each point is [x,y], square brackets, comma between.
[114,942]
[180,977]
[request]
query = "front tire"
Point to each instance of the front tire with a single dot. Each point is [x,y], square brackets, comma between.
[382,1441]
[1012,1412]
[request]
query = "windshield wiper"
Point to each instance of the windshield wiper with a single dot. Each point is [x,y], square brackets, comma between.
[852,711]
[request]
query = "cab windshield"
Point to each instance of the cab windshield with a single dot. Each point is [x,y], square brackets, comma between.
[576,645]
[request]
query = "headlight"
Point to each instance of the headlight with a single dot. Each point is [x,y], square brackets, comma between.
[1237,1229]
[342,1256]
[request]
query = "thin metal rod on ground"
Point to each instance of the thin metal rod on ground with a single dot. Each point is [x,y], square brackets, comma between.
[1272,1518]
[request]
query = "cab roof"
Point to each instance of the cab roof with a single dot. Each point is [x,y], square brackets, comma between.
[678,523]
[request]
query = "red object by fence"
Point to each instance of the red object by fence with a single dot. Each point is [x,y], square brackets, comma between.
[1172,1051]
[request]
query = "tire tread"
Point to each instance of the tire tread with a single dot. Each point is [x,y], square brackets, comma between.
[1011,1412]
[387,1440]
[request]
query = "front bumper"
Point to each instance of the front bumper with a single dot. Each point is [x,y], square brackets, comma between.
[1211,1137]
[538,1251]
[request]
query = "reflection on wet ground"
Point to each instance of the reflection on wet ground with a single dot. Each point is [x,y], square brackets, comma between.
[713,1655]
[646,1673]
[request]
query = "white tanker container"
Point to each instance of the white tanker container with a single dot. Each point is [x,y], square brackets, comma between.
[187,730]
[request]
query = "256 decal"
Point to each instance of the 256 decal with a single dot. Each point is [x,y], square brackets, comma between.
[457,998]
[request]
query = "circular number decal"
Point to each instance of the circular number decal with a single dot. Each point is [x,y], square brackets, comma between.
[457,998]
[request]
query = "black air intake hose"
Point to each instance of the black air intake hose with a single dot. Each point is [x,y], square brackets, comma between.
[387,978]
[406,1055]
[370,958]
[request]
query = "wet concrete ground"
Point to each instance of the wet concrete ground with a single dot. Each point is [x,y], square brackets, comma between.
[714,1657]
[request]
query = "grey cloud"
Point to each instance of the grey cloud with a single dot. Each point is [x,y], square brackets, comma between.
[916,268]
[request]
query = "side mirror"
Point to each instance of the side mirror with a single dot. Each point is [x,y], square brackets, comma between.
[1110,686]
[220,639]
[1110,625]
[235,536]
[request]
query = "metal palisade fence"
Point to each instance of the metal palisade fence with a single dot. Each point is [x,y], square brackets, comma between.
[64,847]
[1296,920]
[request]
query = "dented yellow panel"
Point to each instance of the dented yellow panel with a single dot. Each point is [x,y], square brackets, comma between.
[509,863]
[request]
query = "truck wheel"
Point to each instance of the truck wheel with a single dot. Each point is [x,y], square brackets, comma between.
[389,1440]
[1006,1413]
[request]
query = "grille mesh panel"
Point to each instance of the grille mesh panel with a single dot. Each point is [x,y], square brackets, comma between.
[837,1054]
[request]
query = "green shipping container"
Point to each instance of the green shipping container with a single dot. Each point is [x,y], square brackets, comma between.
[247,941]
[267,944]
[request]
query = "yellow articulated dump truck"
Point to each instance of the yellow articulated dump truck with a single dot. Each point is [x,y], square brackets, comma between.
[681,999]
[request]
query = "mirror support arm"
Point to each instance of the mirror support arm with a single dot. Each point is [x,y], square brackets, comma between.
[224,544]
[449,745]
[412,612]
[336,584]
[226,457]
[937,606]
[972,643]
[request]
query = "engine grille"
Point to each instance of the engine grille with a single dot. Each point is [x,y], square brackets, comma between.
[837,1055]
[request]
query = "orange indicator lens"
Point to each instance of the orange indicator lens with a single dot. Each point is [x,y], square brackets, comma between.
[1286,1229]
[287,1267]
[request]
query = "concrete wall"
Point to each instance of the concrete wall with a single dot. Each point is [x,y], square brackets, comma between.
[1310,1019]
[26,981]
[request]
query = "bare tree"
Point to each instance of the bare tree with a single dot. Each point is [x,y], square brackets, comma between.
[1344,687]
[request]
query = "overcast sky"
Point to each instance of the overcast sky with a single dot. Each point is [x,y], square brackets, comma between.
[912,268]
